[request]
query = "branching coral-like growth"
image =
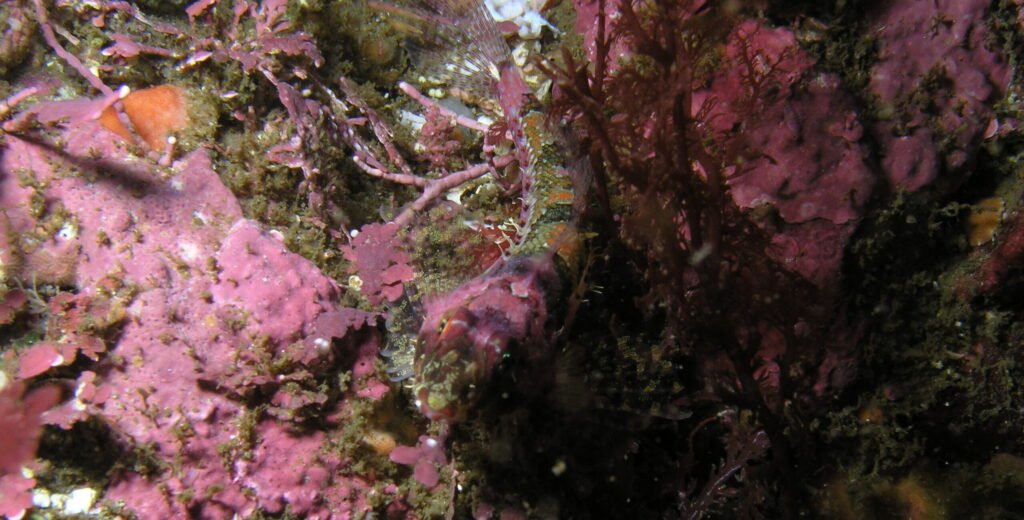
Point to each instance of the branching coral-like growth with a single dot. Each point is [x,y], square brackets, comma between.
[437,128]
[666,152]
[675,165]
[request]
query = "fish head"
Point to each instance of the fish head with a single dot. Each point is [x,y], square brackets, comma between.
[454,364]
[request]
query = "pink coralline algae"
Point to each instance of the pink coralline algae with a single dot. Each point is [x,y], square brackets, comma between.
[936,79]
[382,265]
[11,304]
[20,413]
[38,359]
[425,457]
[75,326]
[812,170]
[812,185]
[720,274]
[806,182]
[221,312]
[809,185]
[814,173]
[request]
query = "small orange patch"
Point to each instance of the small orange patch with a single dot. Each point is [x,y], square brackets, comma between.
[871,414]
[381,442]
[155,112]
[560,196]
[568,241]
[917,500]
[984,219]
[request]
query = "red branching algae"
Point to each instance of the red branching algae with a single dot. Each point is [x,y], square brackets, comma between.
[383,266]
[19,420]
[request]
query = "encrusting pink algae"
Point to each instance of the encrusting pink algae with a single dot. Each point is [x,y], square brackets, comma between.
[599,258]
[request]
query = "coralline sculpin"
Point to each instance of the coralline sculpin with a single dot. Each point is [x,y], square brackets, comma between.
[502,324]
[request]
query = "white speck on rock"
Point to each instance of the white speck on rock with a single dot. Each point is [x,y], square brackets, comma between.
[41,498]
[189,251]
[80,501]
[321,344]
[69,231]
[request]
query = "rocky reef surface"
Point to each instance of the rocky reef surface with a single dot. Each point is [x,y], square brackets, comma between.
[798,292]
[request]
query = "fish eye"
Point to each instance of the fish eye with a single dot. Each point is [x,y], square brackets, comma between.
[444,323]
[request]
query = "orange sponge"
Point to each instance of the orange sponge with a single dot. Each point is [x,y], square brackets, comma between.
[155,112]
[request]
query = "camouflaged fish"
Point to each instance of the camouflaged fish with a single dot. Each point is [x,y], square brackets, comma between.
[498,329]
